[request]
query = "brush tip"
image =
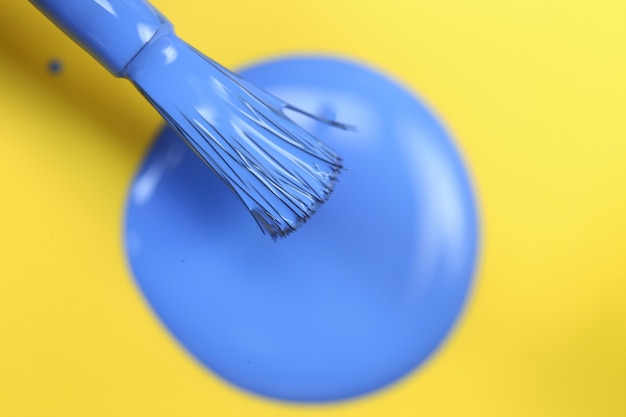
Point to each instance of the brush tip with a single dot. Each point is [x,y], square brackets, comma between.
[284,226]
[279,170]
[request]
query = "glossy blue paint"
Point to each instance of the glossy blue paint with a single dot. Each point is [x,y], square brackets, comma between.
[354,300]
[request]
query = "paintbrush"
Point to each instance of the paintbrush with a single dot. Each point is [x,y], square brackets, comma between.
[278,170]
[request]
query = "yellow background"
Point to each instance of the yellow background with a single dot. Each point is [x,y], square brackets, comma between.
[534,92]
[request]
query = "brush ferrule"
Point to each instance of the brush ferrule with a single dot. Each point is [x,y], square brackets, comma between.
[112,31]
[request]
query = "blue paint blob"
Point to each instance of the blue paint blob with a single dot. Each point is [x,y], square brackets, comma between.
[358,297]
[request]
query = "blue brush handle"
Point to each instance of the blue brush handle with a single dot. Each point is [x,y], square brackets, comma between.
[112,31]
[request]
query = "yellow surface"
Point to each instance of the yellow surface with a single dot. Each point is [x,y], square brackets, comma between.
[535,93]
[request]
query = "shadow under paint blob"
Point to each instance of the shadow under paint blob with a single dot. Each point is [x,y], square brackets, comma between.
[359,296]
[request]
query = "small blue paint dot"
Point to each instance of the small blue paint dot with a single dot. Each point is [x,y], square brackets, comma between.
[55,66]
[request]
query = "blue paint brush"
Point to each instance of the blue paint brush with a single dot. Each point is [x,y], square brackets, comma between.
[279,171]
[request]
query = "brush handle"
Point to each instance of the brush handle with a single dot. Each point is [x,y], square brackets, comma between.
[112,31]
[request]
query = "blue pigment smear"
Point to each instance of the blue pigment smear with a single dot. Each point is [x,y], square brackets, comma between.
[361,295]
[278,170]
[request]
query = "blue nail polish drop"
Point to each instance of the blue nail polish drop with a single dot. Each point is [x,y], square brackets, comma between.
[358,297]
[55,66]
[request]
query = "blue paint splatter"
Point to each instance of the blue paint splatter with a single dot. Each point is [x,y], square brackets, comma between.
[55,66]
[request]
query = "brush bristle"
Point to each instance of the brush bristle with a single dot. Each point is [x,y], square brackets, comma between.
[280,171]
